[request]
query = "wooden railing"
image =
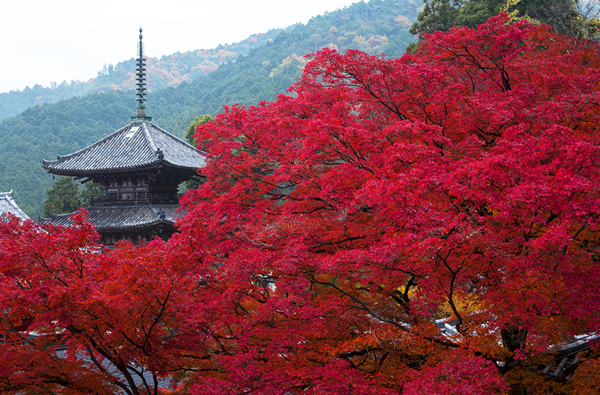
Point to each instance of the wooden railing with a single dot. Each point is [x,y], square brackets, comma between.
[132,198]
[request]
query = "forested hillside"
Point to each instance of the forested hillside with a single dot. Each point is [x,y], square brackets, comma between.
[42,132]
[169,70]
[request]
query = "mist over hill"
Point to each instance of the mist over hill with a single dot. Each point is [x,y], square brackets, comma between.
[168,71]
[43,131]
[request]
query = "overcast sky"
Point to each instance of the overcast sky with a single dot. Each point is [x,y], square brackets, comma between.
[43,41]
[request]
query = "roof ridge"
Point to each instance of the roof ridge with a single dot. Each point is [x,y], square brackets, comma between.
[171,135]
[8,194]
[149,138]
[152,215]
[13,207]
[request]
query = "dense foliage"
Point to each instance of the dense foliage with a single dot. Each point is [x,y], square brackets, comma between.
[577,18]
[191,130]
[66,196]
[459,182]
[377,26]
[335,225]
[63,197]
[189,136]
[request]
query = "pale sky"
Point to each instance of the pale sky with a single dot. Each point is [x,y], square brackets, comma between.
[42,41]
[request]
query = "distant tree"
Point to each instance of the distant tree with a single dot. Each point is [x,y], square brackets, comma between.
[574,18]
[189,135]
[474,13]
[403,21]
[536,10]
[63,197]
[89,191]
[191,130]
[66,196]
[437,16]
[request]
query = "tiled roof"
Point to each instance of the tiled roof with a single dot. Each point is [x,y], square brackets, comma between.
[564,357]
[136,145]
[8,205]
[122,217]
[567,356]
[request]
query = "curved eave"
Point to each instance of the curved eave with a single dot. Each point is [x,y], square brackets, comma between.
[140,226]
[8,205]
[161,164]
[122,219]
[50,221]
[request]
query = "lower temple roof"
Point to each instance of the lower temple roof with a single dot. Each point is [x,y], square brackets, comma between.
[122,217]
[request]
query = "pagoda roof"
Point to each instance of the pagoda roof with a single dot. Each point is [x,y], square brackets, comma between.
[8,205]
[137,145]
[122,217]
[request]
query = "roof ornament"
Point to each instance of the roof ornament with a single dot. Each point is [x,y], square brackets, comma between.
[140,76]
[160,155]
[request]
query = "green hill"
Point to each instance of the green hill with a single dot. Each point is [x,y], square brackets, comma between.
[169,70]
[379,26]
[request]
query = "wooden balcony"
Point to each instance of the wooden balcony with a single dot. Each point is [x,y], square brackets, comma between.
[136,198]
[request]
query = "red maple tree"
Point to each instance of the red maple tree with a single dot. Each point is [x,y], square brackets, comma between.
[460,182]
[79,320]
[337,225]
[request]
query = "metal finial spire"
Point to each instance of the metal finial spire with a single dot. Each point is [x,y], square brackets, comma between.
[140,72]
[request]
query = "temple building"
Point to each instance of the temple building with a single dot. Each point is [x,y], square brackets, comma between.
[8,205]
[140,167]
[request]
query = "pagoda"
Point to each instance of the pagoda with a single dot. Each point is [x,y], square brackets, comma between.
[140,167]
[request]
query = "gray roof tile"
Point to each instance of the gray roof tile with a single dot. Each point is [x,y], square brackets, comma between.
[8,205]
[128,148]
[122,217]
